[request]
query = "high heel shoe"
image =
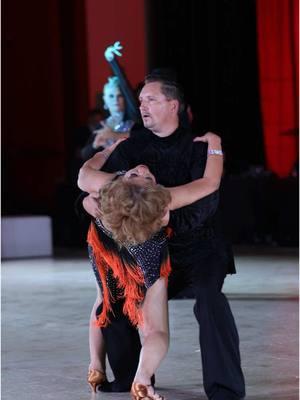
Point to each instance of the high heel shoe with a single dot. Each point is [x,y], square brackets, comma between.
[141,392]
[96,378]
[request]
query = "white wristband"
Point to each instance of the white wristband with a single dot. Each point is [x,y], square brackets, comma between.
[215,152]
[105,154]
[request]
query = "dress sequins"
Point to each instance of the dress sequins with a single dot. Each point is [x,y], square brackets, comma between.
[148,255]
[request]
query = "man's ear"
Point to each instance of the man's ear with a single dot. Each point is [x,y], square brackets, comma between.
[175,106]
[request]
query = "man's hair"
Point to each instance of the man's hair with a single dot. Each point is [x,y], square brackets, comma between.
[169,87]
[133,213]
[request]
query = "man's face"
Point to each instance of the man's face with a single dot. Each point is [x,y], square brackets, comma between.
[156,110]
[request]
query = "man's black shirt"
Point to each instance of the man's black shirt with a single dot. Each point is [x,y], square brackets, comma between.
[176,160]
[173,160]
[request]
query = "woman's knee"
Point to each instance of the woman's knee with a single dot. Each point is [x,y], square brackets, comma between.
[149,332]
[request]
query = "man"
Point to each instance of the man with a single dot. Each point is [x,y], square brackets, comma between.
[199,255]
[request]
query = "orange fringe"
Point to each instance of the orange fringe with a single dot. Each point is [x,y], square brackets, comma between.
[165,269]
[129,279]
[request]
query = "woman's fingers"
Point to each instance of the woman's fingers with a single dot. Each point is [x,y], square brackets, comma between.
[200,139]
[114,145]
[208,138]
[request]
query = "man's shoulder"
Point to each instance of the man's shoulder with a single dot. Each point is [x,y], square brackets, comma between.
[137,140]
[186,138]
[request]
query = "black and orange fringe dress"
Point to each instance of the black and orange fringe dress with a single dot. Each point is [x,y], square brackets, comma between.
[126,272]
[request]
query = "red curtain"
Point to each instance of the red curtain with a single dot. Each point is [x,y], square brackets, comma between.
[107,22]
[277,33]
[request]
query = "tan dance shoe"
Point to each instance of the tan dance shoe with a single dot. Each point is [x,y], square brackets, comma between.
[141,392]
[96,378]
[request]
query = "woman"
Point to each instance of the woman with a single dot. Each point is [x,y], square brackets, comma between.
[117,124]
[133,211]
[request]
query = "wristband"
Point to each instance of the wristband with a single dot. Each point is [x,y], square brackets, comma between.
[105,154]
[214,152]
[119,173]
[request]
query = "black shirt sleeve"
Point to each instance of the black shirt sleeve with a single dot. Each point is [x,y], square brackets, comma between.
[117,160]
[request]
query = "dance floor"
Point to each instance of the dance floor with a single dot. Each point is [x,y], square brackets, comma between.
[45,312]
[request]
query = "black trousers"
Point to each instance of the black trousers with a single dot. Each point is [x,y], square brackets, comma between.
[123,347]
[203,271]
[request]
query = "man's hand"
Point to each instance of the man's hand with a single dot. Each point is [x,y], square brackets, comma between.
[110,52]
[90,204]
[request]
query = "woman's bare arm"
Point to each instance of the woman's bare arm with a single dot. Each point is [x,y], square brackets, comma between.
[189,193]
[90,179]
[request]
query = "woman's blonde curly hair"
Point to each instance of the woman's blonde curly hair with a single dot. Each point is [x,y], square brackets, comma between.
[133,213]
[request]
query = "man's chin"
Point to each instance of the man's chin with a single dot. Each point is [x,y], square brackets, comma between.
[147,124]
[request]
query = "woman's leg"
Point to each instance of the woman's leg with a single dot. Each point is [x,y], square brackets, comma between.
[96,341]
[155,331]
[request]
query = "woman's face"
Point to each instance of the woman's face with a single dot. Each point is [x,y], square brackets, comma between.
[114,99]
[140,175]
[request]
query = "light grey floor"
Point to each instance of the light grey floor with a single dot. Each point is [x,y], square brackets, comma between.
[46,305]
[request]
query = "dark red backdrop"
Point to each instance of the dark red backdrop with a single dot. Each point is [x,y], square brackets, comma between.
[53,65]
[278,41]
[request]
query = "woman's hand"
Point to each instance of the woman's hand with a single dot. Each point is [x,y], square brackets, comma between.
[108,150]
[112,147]
[110,52]
[102,135]
[213,140]
[108,136]
[90,204]
[90,177]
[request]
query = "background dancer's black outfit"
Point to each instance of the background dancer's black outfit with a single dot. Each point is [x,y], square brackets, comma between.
[200,259]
